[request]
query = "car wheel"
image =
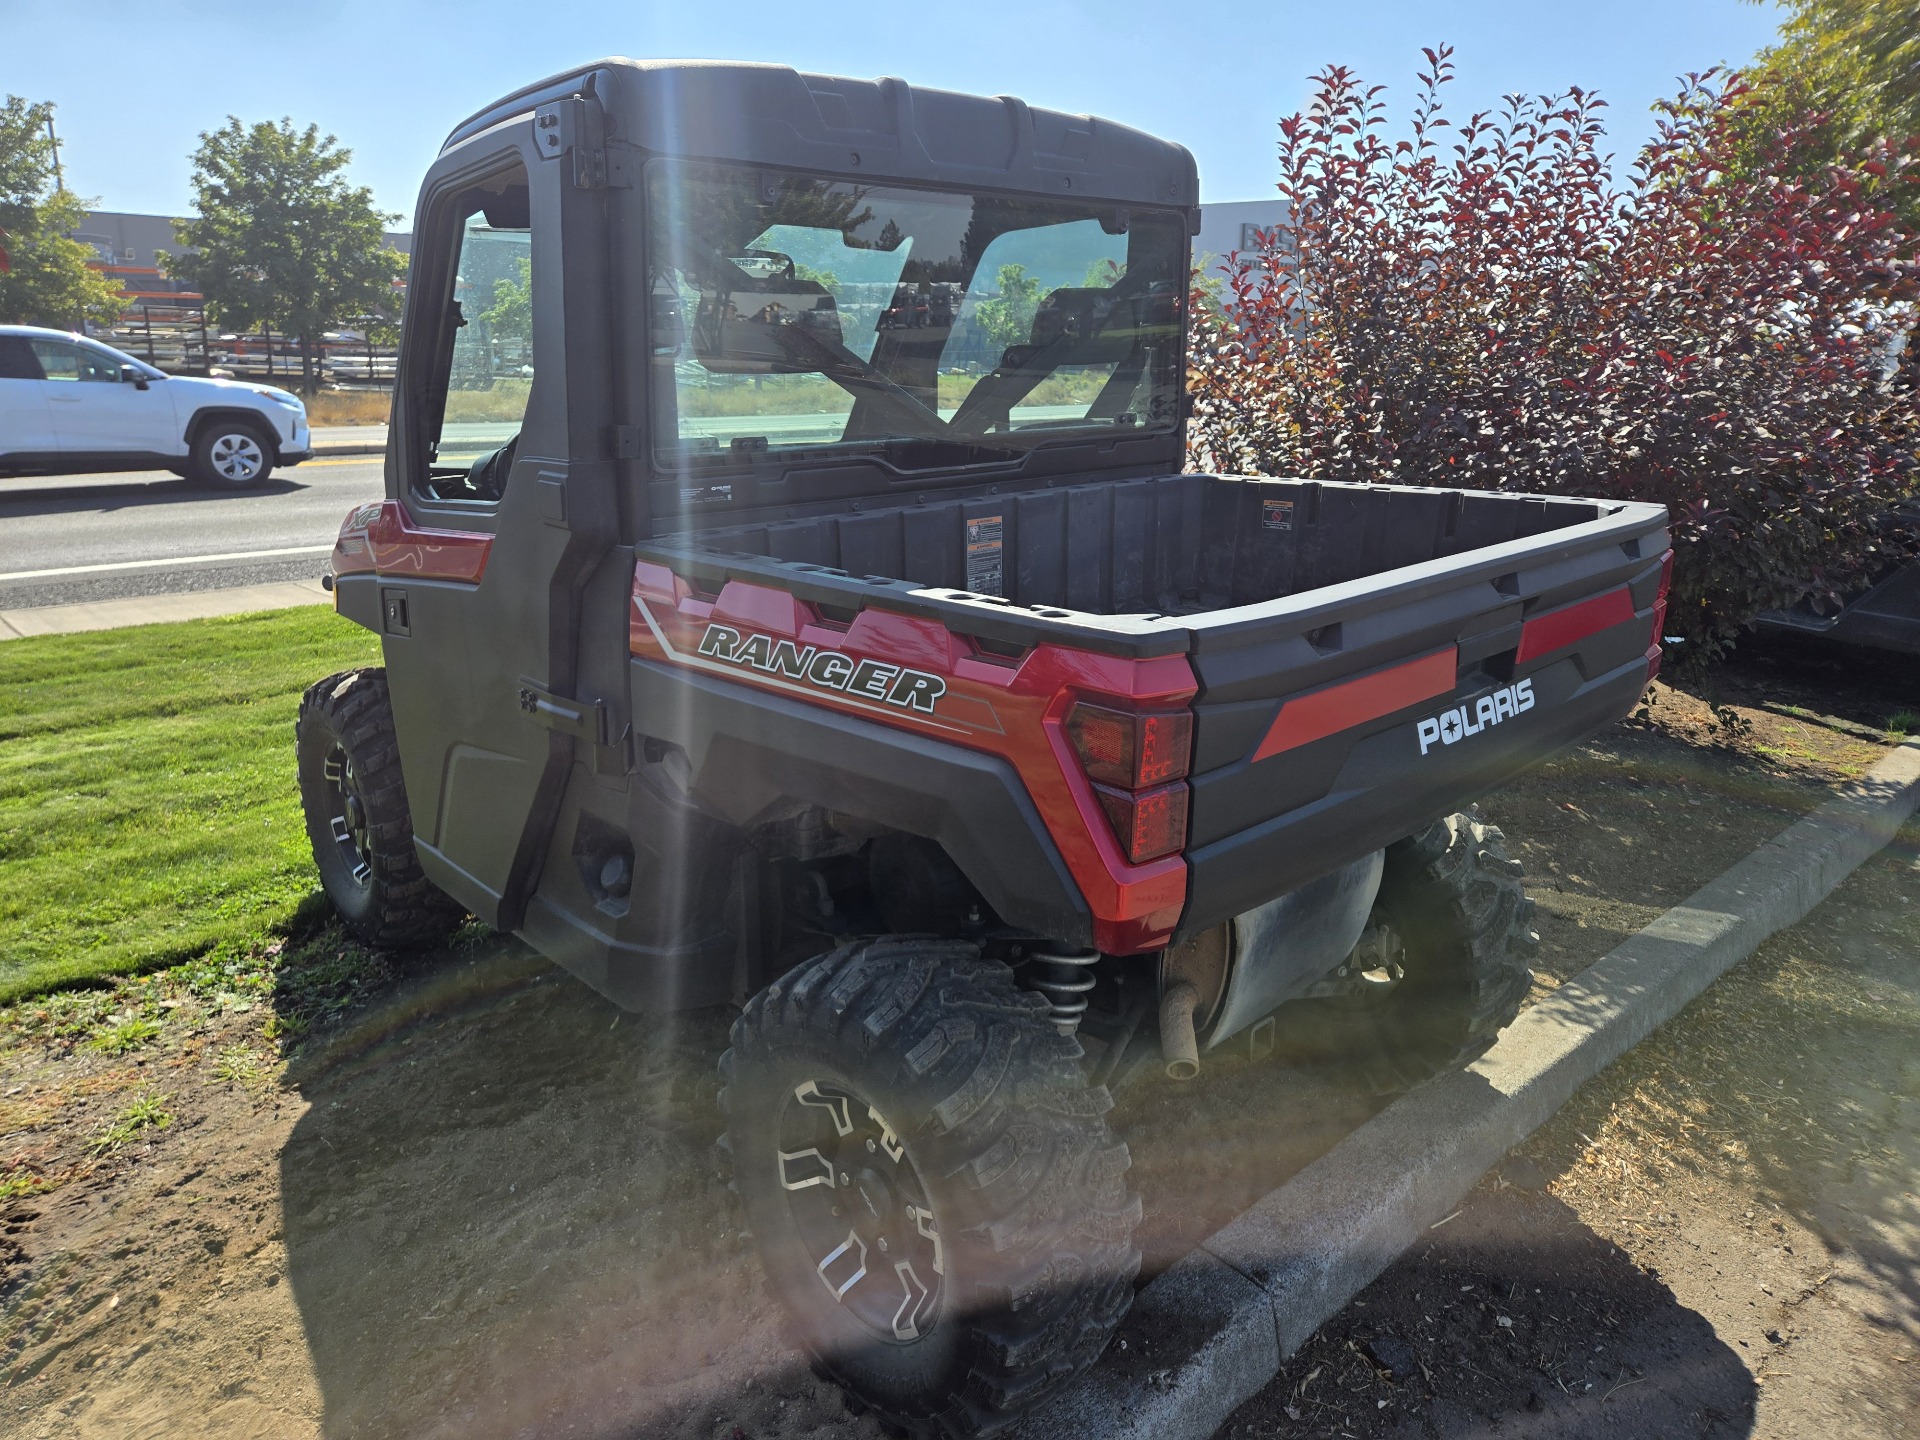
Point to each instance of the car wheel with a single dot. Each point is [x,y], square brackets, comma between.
[938,1203]
[233,454]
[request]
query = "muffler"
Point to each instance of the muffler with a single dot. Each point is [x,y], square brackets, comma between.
[1238,972]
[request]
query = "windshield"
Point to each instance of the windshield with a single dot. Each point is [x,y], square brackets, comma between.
[795,316]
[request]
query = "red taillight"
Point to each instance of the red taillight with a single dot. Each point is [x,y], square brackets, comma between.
[1138,761]
[1148,823]
[1133,750]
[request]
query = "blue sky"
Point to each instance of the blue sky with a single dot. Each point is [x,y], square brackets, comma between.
[136,83]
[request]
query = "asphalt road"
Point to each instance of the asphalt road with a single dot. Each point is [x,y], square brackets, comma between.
[108,537]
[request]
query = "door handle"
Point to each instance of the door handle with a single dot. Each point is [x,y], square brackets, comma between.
[582,719]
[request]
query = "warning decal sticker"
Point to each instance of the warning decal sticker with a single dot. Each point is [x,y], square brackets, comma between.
[984,555]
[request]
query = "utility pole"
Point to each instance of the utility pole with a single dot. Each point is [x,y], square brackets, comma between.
[60,185]
[59,181]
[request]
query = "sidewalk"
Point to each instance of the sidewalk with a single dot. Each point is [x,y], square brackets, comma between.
[156,609]
[349,440]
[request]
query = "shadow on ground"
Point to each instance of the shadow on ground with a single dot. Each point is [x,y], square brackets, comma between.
[1513,1309]
[503,1215]
[111,495]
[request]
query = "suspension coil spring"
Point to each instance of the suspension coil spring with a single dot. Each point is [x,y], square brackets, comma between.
[1065,977]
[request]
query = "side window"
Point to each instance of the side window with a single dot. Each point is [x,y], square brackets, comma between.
[16,359]
[483,365]
[96,366]
[58,360]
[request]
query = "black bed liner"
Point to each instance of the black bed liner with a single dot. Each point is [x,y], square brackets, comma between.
[1196,563]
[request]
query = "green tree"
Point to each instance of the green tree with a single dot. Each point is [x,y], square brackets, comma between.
[1007,315]
[1849,72]
[46,280]
[511,313]
[826,279]
[1864,58]
[282,239]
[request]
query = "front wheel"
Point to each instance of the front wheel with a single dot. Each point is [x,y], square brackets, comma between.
[357,816]
[938,1202]
[231,453]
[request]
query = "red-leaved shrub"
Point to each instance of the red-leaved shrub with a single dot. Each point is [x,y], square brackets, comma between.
[1503,314]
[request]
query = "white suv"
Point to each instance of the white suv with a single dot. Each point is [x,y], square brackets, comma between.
[70,406]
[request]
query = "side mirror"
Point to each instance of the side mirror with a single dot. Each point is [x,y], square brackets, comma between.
[132,375]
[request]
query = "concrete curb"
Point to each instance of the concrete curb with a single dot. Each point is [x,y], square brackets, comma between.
[323,452]
[159,609]
[1224,1317]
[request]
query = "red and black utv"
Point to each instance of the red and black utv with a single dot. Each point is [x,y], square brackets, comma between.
[792,596]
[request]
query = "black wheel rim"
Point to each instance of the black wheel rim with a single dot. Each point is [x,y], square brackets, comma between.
[861,1212]
[347,815]
[1374,971]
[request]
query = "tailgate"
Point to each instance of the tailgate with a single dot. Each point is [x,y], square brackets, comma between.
[1333,722]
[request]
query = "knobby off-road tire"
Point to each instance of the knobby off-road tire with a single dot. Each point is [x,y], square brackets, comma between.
[1459,927]
[231,454]
[938,1202]
[357,816]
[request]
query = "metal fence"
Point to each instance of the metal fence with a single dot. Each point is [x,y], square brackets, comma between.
[177,339]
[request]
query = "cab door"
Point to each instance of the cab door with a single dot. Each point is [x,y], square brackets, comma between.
[501,488]
[95,412]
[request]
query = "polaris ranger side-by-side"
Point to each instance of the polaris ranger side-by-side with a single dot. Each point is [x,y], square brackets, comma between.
[792,596]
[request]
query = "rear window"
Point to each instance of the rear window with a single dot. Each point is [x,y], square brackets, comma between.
[808,319]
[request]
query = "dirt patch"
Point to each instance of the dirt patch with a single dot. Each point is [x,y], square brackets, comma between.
[490,1206]
[483,1202]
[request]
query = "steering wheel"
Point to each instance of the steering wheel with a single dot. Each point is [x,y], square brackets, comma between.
[487,478]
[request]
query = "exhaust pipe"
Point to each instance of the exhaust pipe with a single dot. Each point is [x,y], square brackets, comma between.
[1179,1047]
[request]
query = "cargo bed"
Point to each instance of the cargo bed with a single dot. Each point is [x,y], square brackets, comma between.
[1324,623]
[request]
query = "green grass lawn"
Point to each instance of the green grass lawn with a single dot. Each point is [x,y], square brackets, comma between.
[148,808]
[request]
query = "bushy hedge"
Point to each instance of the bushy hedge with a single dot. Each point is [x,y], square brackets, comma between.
[1501,313]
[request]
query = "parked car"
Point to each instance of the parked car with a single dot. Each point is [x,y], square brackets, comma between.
[71,406]
[1885,615]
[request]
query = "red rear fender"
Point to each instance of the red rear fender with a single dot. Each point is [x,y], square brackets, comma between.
[914,673]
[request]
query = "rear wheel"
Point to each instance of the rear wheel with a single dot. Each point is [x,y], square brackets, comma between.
[937,1200]
[232,453]
[1440,971]
[357,816]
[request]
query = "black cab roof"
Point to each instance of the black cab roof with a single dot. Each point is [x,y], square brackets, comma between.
[886,129]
